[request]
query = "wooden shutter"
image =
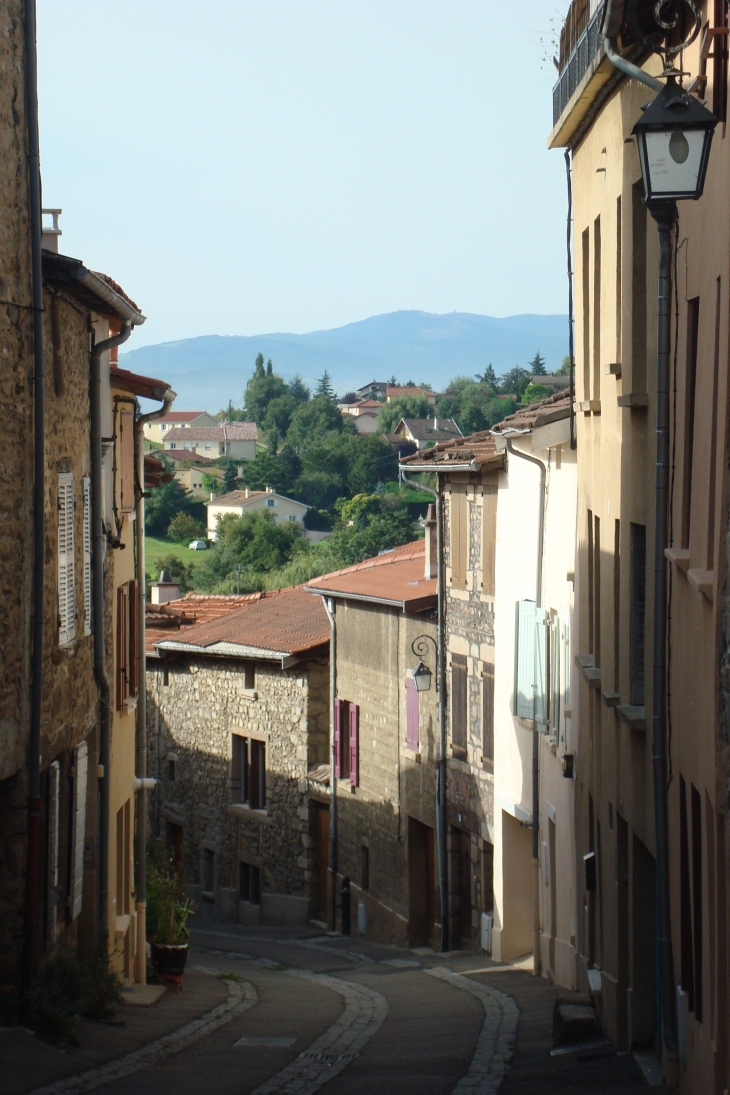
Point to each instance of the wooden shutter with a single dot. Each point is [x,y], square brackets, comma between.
[489,537]
[133,609]
[87,555]
[257,789]
[66,581]
[126,460]
[412,714]
[555,677]
[54,834]
[122,646]
[488,716]
[459,537]
[338,738]
[354,720]
[458,705]
[525,660]
[542,650]
[78,822]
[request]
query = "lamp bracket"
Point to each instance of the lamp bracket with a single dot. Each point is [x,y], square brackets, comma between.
[667,16]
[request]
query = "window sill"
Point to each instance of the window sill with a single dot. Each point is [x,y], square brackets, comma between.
[121,926]
[614,369]
[678,556]
[208,895]
[239,809]
[634,717]
[611,699]
[703,581]
[590,406]
[591,673]
[635,401]
[248,693]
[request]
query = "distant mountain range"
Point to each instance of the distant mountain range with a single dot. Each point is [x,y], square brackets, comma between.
[209,370]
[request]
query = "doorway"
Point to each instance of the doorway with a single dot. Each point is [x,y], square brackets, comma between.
[641,1010]
[553,876]
[323,853]
[464,920]
[174,842]
[421,896]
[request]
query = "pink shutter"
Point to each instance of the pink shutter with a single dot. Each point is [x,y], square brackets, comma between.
[411,715]
[354,743]
[338,739]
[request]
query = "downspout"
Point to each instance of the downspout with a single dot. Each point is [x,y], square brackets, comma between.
[610,27]
[441,769]
[329,607]
[98,552]
[537,957]
[39,490]
[142,784]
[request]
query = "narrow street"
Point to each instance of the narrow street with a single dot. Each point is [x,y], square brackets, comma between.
[311,1013]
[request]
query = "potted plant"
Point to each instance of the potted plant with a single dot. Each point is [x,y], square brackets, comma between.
[167,913]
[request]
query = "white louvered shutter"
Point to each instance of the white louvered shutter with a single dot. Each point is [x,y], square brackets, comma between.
[87,555]
[54,827]
[66,586]
[79,830]
[541,669]
[525,660]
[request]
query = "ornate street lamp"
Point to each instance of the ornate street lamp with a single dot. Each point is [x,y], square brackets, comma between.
[422,675]
[674,137]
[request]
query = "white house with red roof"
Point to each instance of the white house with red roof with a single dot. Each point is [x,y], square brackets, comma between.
[157,430]
[235,439]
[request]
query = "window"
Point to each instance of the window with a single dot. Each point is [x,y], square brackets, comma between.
[354,720]
[687,976]
[586,313]
[595,562]
[637,612]
[458,705]
[459,532]
[488,716]
[596,309]
[412,715]
[690,390]
[638,289]
[206,445]
[165,676]
[249,675]
[342,755]
[78,829]
[364,868]
[53,853]
[87,554]
[126,459]
[171,771]
[257,779]
[719,62]
[124,850]
[249,883]
[489,536]
[163,425]
[712,478]
[126,645]
[293,518]
[186,444]
[525,660]
[554,668]
[247,781]
[616,603]
[66,575]
[697,903]
[207,881]
[270,502]
[618,278]
[173,445]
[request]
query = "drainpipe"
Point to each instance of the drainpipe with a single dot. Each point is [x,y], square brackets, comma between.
[441,770]
[329,607]
[142,784]
[39,487]
[537,957]
[610,27]
[98,552]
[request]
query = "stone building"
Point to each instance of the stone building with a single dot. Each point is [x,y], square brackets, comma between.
[386,744]
[238,716]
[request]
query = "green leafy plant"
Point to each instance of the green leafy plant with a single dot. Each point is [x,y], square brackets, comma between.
[66,988]
[167,907]
[184,528]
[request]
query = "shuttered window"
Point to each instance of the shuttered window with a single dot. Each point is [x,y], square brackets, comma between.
[54,840]
[127,682]
[87,556]
[257,775]
[412,714]
[488,717]
[458,537]
[340,755]
[126,460]
[66,577]
[525,660]
[542,651]
[354,720]
[489,537]
[78,830]
[458,705]
[555,705]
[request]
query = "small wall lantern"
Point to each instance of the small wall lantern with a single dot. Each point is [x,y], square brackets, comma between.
[422,677]
[674,137]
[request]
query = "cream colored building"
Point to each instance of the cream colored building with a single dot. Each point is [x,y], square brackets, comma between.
[365,414]
[238,502]
[157,430]
[234,439]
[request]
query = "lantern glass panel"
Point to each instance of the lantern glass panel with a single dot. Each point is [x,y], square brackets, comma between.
[673,161]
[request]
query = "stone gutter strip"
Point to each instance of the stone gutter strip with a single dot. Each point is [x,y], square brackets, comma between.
[363,1015]
[496,1041]
[241,997]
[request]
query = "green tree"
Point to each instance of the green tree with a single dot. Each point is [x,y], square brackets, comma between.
[537,365]
[324,387]
[407,406]
[264,386]
[320,489]
[369,524]
[230,476]
[254,541]
[472,405]
[279,413]
[279,470]
[489,378]
[165,502]
[534,393]
[183,528]
[313,419]
[564,369]
[298,390]
[376,462]
[515,381]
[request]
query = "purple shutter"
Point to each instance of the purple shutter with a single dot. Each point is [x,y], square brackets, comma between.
[411,715]
[354,743]
[338,738]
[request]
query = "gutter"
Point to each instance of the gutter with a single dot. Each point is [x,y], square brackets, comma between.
[39,501]
[141,781]
[610,27]
[416,605]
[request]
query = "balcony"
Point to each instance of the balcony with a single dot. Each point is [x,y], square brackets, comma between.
[580,41]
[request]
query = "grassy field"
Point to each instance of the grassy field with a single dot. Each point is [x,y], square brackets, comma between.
[156,546]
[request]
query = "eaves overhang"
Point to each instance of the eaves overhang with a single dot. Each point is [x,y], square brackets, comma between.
[415,604]
[89,288]
[238,650]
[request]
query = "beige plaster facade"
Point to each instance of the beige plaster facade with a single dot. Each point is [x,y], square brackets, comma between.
[238,502]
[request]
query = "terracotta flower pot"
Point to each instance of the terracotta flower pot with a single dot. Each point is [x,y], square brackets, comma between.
[168,961]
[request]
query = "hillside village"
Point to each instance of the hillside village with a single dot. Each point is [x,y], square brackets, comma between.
[380,738]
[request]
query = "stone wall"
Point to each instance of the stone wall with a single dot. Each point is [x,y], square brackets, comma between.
[192,718]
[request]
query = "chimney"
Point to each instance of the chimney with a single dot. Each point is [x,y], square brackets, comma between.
[165,590]
[247,492]
[269,490]
[431,544]
[435,422]
[212,496]
[49,238]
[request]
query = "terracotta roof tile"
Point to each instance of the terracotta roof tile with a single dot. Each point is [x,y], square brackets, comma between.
[180,416]
[395,577]
[228,431]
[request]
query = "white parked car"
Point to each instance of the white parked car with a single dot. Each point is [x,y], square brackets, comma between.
[198,545]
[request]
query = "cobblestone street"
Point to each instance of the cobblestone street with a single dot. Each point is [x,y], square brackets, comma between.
[298,1015]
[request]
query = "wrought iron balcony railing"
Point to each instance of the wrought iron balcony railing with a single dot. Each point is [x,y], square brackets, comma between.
[577,64]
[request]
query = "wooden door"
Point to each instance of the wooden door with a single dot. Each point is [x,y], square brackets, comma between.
[465,888]
[323,846]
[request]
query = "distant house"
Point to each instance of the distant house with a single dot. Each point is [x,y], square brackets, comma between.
[234,439]
[365,413]
[554,383]
[374,388]
[238,502]
[409,393]
[157,430]
[423,432]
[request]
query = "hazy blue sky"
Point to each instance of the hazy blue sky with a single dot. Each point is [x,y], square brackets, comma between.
[287,165]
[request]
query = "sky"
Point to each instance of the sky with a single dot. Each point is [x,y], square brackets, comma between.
[246,167]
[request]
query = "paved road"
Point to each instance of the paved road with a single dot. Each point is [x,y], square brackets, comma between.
[313,1014]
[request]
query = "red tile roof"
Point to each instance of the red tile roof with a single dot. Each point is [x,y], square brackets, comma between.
[227,431]
[240,498]
[188,611]
[394,578]
[276,624]
[180,416]
[396,392]
[187,456]
[547,410]
[135,384]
